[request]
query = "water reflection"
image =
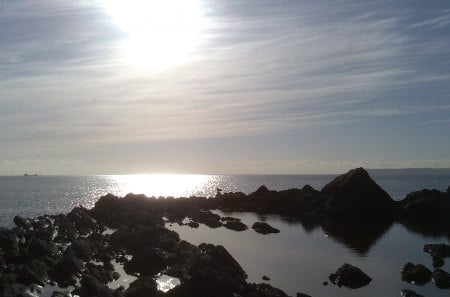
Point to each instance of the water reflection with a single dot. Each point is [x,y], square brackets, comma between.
[166,282]
[174,185]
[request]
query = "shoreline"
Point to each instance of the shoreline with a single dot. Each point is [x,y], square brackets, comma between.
[66,248]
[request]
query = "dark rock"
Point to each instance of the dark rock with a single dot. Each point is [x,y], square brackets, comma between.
[135,241]
[151,262]
[426,212]
[325,283]
[90,286]
[266,278]
[22,222]
[441,279]
[264,228]
[355,196]
[437,250]
[302,295]
[438,262]
[144,286]
[35,271]
[193,224]
[264,290]
[66,268]
[417,274]
[350,276]
[40,248]
[235,225]
[83,249]
[208,218]
[8,240]
[409,293]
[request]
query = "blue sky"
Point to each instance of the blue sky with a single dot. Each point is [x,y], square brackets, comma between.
[196,86]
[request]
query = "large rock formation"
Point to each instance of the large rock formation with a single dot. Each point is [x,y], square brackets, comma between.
[355,196]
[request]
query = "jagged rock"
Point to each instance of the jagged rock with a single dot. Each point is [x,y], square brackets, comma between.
[40,248]
[264,228]
[235,225]
[144,286]
[8,240]
[149,263]
[34,271]
[83,249]
[350,276]
[417,274]
[266,278]
[441,279]
[90,286]
[409,293]
[355,196]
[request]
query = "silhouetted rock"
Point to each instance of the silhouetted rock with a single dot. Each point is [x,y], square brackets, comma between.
[417,274]
[441,279]
[355,196]
[235,225]
[409,293]
[149,263]
[266,278]
[350,276]
[264,290]
[302,295]
[264,228]
[22,222]
[145,286]
[426,212]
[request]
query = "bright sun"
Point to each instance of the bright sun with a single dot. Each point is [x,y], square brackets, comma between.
[160,33]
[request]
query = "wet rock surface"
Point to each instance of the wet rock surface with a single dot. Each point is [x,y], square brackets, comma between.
[350,276]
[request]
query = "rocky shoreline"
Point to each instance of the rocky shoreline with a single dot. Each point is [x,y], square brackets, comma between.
[74,251]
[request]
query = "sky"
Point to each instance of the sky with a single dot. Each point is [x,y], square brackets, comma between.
[236,86]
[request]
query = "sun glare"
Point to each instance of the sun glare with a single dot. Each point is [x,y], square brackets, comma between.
[176,185]
[160,33]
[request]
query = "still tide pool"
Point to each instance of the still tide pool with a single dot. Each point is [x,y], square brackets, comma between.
[300,260]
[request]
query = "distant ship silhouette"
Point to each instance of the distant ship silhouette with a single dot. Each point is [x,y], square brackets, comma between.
[26,174]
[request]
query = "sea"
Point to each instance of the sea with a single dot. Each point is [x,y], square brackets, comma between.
[298,259]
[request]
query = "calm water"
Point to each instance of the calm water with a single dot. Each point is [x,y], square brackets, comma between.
[298,259]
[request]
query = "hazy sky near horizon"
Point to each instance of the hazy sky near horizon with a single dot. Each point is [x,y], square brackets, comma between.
[135,86]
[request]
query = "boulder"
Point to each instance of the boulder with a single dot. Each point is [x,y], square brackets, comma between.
[34,271]
[437,250]
[355,196]
[151,262]
[441,279]
[208,218]
[22,222]
[264,290]
[350,276]
[235,225]
[417,274]
[264,228]
[144,286]
[426,211]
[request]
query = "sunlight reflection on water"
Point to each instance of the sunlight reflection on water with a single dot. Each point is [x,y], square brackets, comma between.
[157,185]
